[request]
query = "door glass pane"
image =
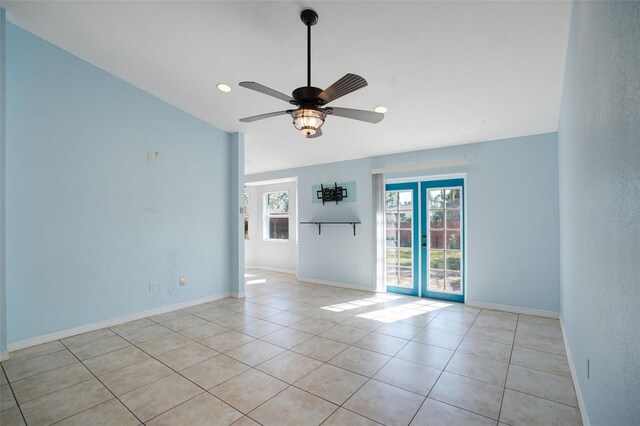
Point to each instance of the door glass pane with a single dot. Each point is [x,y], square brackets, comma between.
[436,259]
[453,282]
[392,275]
[453,240]
[405,257]
[436,219]
[392,238]
[399,248]
[453,260]
[436,198]
[406,277]
[437,239]
[392,200]
[406,220]
[405,238]
[453,219]
[452,198]
[392,220]
[391,255]
[405,200]
[436,280]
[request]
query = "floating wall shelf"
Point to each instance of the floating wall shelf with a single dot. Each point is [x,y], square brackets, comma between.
[320,223]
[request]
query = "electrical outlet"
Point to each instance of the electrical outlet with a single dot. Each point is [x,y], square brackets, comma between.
[357,267]
[152,286]
[183,281]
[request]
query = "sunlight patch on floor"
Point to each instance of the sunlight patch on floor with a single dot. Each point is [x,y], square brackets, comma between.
[402,312]
[361,303]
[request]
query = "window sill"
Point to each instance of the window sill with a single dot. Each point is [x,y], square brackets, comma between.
[274,240]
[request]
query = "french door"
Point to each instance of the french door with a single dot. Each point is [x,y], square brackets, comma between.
[425,246]
[401,223]
[442,225]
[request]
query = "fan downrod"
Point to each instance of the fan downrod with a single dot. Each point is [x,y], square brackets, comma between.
[309,17]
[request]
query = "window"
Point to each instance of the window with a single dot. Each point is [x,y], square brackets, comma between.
[276,215]
[246,216]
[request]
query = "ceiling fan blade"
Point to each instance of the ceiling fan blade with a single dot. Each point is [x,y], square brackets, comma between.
[356,114]
[263,116]
[317,135]
[347,84]
[266,90]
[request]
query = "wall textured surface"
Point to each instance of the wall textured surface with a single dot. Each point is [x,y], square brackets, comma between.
[512,226]
[90,222]
[599,163]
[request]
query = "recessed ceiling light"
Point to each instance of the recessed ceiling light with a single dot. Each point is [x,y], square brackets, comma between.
[381,109]
[224,88]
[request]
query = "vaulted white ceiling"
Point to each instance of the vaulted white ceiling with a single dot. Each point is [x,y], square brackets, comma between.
[449,72]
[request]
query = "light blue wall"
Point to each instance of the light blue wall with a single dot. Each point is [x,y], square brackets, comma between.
[89,221]
[3,293]
[512,228]
[599,162]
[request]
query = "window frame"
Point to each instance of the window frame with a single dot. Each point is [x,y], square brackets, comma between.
[267,216]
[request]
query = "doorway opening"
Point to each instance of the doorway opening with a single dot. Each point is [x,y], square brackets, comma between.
[425,232]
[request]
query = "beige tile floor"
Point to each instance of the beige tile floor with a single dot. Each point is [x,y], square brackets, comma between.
[295,353]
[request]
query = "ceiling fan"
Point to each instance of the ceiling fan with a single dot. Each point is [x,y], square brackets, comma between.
[311,111]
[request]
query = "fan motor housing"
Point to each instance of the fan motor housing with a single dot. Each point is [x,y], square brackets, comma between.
[307,95]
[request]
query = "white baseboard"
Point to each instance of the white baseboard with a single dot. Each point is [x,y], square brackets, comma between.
[336,284]
[513,309]
[57,335]
[269,268]
[574,376]
[4,356]
[238,295]
[311,280]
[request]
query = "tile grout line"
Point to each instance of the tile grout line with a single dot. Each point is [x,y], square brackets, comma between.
[132,344]
[323,364]
[231,378]
[327,363]
[96,377]
[14,394]
[504,389]
[535,369]
[444,368]
[183,376]
[175,371]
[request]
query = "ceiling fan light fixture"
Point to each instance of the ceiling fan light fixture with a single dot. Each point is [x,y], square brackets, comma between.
[308,120]
[310,101]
